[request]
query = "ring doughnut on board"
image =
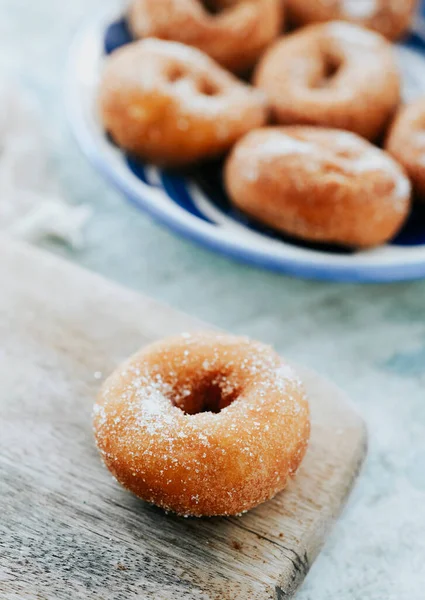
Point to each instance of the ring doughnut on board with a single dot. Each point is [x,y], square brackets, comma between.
[333,75]
[203,424]
[83,536]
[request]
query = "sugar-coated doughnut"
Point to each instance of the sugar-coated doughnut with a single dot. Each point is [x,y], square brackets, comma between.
[172,104]
[406,142]
[234,33]
[332,75]
[203,424]
[321,185]
[391,18]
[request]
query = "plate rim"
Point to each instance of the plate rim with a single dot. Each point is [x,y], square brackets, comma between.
[145,197]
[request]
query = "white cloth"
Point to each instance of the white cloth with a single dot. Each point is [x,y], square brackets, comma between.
[32,206]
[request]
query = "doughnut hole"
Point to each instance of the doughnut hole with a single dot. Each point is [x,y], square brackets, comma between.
[207,87]
[332,66]
[201,84]
[175,73]
[210,393]
[212,7]
[216,7]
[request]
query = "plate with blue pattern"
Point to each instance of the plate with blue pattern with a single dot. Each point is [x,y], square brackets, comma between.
[194,204]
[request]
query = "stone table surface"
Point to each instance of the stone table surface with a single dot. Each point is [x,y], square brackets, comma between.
[370,339]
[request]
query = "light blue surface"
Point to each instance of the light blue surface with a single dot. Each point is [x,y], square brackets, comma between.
[369,339]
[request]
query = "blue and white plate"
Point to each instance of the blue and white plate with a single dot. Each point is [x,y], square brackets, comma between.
[194,203]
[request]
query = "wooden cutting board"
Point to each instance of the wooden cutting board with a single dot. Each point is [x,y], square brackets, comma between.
[67,529]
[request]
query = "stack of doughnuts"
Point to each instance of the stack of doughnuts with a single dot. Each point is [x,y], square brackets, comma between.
[300,118]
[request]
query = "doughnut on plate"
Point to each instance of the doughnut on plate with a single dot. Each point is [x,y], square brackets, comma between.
[69,529]
[194,204]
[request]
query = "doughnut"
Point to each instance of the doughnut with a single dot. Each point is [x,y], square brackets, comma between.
[170,104]
[234,33]
[406,142]
[203,424]
[320,185]
[332,75]
[391,18]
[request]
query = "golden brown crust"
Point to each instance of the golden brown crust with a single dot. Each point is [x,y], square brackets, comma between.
[156,438]
[235,36]
[391,18]
[332,75]
[170,104]
[321,185]
[406,142]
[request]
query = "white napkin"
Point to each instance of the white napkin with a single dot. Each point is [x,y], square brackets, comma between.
[31,204]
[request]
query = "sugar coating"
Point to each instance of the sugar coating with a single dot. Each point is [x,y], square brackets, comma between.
[350,34]
[320,147]
[278,144]
[146,64]
[373,159]
[275,145]
[203,463]
[359,9]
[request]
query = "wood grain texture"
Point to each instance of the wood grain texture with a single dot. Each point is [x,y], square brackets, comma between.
[67,530]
